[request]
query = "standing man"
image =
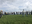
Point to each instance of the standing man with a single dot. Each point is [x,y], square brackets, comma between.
[13,13]
[5,13]
[26,13]
[20,13]
[2,13]
[31,12]
[23,13]
[16,13]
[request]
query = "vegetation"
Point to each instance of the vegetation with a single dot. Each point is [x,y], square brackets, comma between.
[16,19]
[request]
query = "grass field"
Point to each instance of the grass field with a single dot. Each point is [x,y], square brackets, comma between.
[16,19]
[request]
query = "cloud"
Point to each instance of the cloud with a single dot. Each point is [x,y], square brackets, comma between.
[15,5]
[9,7]
[29,5]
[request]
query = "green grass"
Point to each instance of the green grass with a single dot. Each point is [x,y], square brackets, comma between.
[16,19]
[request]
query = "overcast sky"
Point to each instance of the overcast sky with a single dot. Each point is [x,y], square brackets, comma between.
[15,5]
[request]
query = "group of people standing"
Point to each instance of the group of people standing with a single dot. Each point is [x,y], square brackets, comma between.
[21,13]
[26,13]
[14,13]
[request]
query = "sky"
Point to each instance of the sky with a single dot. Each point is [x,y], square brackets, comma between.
[15,5]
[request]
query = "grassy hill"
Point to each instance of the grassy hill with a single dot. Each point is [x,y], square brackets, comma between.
[16,19]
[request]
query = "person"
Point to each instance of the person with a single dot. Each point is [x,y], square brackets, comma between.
[23,13]
[26,13]
[5,13]
[2,13]
[12,13]
[31,12]
[16,13]
[20,13]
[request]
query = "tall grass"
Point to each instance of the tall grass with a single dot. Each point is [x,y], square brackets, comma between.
[16,19]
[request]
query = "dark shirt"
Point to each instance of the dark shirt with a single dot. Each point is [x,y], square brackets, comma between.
[26,12]
[31,12]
